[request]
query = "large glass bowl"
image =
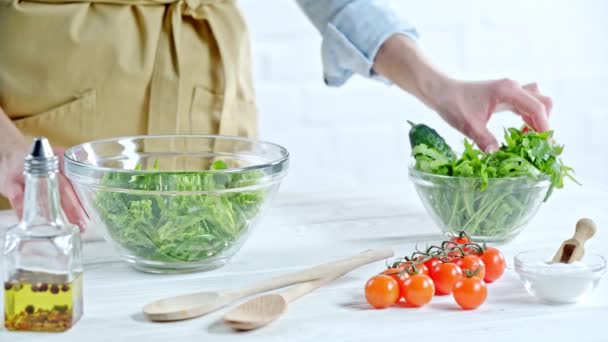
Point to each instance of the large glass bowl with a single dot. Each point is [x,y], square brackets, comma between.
[495,214]
[176,203]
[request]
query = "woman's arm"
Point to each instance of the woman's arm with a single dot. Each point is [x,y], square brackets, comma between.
[352,32]
[367,38]
[467,106]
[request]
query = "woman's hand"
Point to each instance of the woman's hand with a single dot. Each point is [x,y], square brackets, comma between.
[12,186]
[466,106]
[12,180]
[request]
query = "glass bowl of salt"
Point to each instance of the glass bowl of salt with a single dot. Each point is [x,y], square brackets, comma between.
[559,283]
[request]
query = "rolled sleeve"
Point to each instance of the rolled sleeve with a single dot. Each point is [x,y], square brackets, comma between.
[352,35]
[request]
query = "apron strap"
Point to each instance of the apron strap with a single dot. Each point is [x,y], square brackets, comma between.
[165,89]
[164,85]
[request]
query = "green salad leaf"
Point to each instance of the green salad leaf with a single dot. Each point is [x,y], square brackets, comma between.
[179,226]
[483,198]
[530,154]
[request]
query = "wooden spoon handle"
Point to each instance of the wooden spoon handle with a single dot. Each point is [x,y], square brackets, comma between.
[335,269]
[585,229]
[299,290]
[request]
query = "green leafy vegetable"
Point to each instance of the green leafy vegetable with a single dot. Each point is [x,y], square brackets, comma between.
[491,194]
[179,226]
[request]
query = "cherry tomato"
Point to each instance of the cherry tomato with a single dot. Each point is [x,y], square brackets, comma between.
[457,261]
[420,268]
[455,254]
[381,291]
[460,240]
[454,241]
[431,264]
[449,245]
[473,264]
[400,276]
[418,289]
[445,276]
[470,293]
[472,250]
[495,264]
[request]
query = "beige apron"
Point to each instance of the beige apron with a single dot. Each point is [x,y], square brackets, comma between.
[75,71]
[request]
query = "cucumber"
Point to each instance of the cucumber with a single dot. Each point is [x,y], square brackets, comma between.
[423,134]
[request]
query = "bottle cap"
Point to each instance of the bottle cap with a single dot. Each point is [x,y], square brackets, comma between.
[41,159]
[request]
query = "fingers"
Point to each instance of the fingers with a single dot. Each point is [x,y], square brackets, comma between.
[527,119]
[71,204]
[484,139]
[59,151]
[12,181]
[532,109]
[69,200]
[12,185]
[15,195]
[533,89]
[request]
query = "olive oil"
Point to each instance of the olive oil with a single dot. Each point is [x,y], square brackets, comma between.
[43,306]
[42,254]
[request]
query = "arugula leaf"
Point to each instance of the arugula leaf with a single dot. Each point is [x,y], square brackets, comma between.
[431,160]
[530,154]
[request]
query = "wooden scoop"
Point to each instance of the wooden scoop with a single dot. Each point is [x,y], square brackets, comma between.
[573,249]
[262,310]
[200,303]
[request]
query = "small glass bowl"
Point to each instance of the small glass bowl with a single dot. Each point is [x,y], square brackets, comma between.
[559,283]
[496,214]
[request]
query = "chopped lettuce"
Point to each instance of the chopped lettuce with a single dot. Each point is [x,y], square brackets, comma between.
[179,227]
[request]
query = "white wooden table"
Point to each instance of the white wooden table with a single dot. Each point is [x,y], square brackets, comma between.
[306,229]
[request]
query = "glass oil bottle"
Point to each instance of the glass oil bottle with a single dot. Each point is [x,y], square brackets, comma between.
[42,253]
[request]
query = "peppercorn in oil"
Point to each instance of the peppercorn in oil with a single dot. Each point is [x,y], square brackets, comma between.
[52,304]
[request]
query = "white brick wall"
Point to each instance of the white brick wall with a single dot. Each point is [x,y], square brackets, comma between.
[356,136]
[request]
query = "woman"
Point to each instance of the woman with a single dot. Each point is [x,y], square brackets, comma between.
[87,69]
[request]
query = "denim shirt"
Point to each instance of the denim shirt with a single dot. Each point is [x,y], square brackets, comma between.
[353,31]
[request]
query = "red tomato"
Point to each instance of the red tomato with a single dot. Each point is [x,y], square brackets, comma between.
[409,268]
[400,276]
[460,240]
[418,289]
[381,291]
[456,253]
[449,245]
[495,264]
[470,293]
[445,276]
[431,264]
[457,261]
[473,264]
[472,250]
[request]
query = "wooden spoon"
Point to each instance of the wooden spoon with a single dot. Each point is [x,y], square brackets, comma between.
[573,249]
[197,304]
[262,310]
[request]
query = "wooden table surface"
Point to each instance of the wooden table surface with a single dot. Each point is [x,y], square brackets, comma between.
[305,229]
